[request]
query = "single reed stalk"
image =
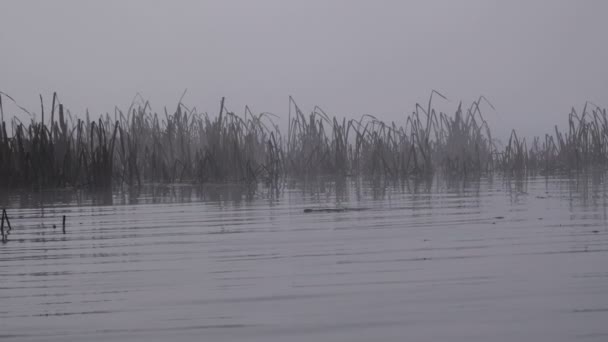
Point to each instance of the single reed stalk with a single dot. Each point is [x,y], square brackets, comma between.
[5,217]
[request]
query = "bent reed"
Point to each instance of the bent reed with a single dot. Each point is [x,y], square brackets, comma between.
[140,146]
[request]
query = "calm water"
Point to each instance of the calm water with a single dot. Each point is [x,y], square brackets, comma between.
[490,260]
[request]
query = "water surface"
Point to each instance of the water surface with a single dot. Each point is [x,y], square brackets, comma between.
[488,260]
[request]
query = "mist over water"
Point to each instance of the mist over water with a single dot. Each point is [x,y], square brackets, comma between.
[486,259]
[149,200]
[533,59]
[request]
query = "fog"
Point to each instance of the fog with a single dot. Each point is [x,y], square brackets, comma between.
[533,60]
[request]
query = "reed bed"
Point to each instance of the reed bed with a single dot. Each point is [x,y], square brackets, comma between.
[140,146]
[583,145]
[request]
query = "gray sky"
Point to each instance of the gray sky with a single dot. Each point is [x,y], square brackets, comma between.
[532,59]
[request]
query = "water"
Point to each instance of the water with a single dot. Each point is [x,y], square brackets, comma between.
[489,260]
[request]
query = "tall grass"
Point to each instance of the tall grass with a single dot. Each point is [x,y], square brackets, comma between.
[140,146]
[583,145]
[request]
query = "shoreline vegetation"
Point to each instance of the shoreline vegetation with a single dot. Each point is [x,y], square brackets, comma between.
[140,146]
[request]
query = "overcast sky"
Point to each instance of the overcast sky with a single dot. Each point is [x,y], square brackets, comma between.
[533,59]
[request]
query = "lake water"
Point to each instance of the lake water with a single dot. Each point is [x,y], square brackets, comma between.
[489,260]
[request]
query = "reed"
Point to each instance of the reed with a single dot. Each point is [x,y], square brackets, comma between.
[140,146]
[4,233]
[583,145]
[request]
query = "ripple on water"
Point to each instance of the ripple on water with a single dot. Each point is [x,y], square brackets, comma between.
[486,260]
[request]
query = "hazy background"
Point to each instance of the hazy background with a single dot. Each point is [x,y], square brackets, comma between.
[532,59]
